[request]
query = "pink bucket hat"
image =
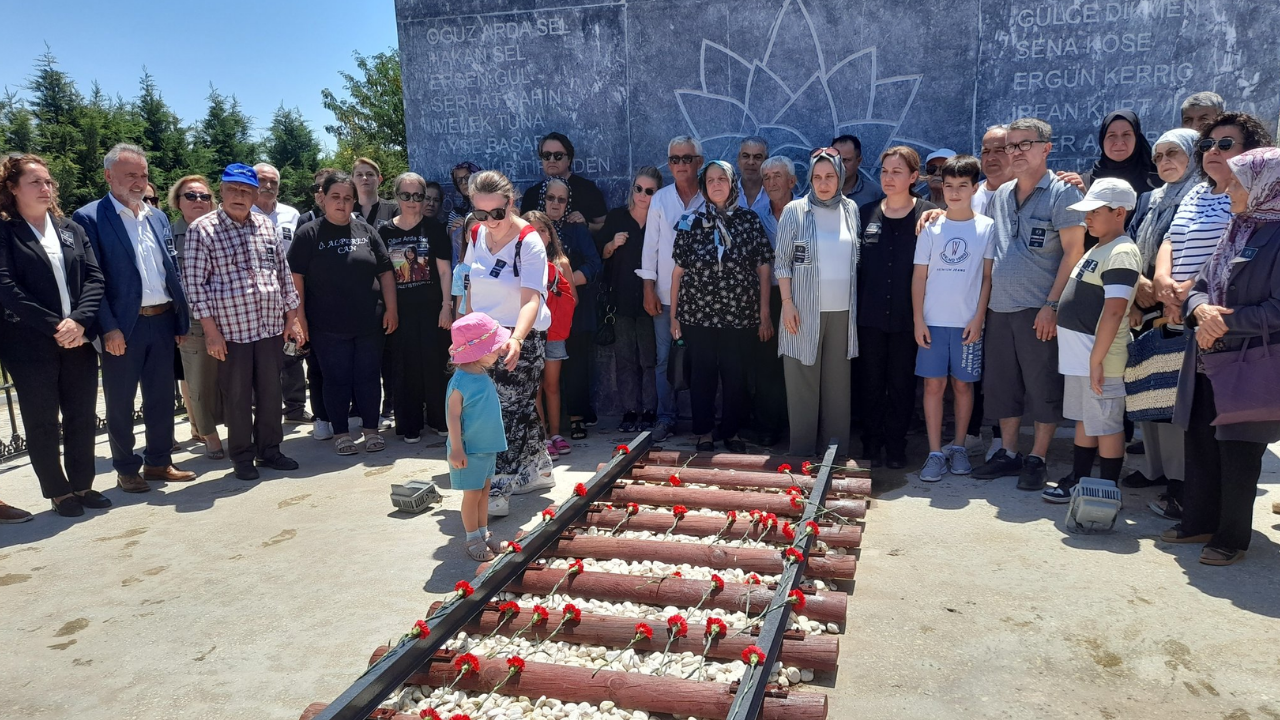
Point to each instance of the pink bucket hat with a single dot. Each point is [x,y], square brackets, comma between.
[475,336]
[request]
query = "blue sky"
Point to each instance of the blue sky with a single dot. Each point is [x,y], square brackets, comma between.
[282,51]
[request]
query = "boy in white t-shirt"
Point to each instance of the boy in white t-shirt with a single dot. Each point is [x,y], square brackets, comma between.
[949,294]
[1093,335]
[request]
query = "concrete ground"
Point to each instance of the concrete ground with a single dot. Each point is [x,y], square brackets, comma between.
[225,599]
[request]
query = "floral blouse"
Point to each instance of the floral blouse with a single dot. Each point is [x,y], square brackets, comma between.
[723,293]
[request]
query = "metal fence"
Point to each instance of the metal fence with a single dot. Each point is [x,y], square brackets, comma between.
[13,441]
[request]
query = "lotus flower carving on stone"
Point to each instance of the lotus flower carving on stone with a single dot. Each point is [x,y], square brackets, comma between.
[793,98]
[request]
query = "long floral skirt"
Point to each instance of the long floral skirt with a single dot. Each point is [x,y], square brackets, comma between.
[526,454]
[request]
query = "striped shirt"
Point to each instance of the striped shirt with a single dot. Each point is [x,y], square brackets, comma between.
[797,258]
[1197,227]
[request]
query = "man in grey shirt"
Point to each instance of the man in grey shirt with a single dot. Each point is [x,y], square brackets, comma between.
[1038,240]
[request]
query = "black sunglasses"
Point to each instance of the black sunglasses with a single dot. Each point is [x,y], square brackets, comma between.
[495,214]
[315,188]
[935,170]
[194,196]
[685,159]
[557,156]
[151,200]
[1223,144]
[645,190]
[411,197]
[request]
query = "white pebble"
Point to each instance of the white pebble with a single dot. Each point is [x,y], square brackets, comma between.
[833,628]
[806,675]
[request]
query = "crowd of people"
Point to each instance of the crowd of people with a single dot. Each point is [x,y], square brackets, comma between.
[1024,293]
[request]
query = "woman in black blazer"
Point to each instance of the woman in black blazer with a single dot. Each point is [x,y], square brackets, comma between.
[50,289]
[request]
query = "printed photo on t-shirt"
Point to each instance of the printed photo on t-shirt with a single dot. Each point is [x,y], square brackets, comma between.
[412,263]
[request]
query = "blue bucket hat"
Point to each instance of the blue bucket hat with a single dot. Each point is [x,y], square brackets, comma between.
[240,173]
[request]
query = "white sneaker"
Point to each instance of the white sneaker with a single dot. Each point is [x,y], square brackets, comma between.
[322,430]
[385,423]
[499,506]
[973,445]
[542,477]
[996,446]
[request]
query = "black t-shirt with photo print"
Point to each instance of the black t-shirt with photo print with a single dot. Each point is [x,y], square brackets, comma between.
[340,265]
[414,253]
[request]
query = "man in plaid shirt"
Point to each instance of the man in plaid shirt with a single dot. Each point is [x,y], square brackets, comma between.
[240,291]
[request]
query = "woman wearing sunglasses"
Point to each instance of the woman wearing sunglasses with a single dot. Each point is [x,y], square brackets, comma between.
[191,197]
[556,153]
[1197,227]
[422,254]
[506,262]
[635,350]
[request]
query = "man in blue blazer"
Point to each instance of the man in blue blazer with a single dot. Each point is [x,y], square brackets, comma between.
[142,319]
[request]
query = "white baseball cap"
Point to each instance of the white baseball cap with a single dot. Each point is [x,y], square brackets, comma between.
[1108,192]
[940,154]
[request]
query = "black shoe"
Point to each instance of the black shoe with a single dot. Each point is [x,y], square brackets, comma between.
[628,424]
[246,472]
[735,445]
[68,507]
[768,440]
[1136,479]
[1002,464]
[1033,474]
[1136,449]
[706,446]
[895,461]
[1166,506]
[1062,493]
[870,457]
[299,418]
[278,462]
[94,499]
[647,420]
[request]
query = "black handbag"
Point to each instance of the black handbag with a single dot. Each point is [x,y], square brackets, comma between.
[679,366]
[606,332]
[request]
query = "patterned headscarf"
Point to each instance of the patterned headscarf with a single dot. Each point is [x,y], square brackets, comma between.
[833,156]
[542,202]
[714,215]
[1258,172]
[1165,199]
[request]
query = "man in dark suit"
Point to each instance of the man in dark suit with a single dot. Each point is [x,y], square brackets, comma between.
[142,318]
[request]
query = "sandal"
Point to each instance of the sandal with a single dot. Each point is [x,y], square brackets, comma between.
[345,445]
[374,443]
[577,430]
[1220,556]
[1177,535]
[562,445]
[477,550]
[706,446]
[219,454]
[494,544]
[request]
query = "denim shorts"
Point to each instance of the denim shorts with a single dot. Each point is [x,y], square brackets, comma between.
[556,350]
[948,355]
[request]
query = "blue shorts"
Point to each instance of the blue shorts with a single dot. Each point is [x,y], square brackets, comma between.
[948,355]
[479,469]
[556,350]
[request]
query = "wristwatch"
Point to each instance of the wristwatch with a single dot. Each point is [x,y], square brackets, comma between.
[1051,304]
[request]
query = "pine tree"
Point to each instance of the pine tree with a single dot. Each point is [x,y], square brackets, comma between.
[223,136]
[167,143]
[56,104]
[291,146]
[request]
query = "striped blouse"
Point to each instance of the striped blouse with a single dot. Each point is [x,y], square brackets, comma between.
[1197,227]
[796,257]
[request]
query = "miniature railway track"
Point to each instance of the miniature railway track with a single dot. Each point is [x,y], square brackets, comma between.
[670,584]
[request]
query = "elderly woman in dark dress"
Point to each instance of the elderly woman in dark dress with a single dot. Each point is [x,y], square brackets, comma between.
[720,301]
[1235,304]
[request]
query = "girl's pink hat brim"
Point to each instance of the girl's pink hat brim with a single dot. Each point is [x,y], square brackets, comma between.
[490,339]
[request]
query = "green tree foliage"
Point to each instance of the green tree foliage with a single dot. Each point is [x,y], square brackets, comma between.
[370,121]
[291,146]
[224,136]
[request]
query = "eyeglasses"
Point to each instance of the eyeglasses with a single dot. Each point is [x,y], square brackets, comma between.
[647,191]
[1223,144]
[683,159]
[315,188]
[557,156]
[557,199]
[1173,154]
[495,214]
[411,197]
[1023,146]
[151,200]
[993,151]
[758,157]
[197,197]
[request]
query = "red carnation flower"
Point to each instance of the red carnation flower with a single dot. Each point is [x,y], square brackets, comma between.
[811,528]
[787,532]
[805,467]
[796,502]
[575,567]
[429,714]
[459,716]
[540,614]
[678,626]
[514,547]
[732,516]
[509,607]
[549,513]
[677,574]
[516,663]
[717,582]
[754,579]
[580,490]
[770,521]
[795,490]
[467,663]
[420,629]
[755,515]
[796,598]
[621,450]
[632,508]
[784,468]
[674,480]
[793,555]
[679,511]
[716,626]
[753,655]
[463,588]
[571,612]
[645,630]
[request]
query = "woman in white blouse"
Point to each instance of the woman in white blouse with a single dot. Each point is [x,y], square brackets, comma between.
[816,265]
[506,265]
